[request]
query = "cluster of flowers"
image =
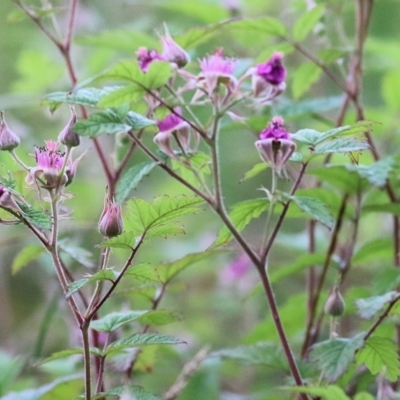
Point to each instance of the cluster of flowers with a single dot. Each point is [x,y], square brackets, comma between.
[267,82]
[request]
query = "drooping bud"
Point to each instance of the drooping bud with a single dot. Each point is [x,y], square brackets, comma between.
[8,139]
[67,136]
[110,223]
[275,145]
[7,201]
[172,52]
[334,305]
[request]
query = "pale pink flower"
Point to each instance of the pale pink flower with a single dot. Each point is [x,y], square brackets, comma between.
[110,223]
[172,52]
[8,139]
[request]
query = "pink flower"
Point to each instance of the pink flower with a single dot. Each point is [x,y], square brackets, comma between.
[50,163]
[110,223]
[268,79]
[146,57]
[173,126]
[275,145]
[217,69]
[7,201]
[172,52]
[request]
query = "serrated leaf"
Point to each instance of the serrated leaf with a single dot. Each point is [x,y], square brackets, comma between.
[241,215]
[305,75]
[164,273]
[137,121]
[341,145]
[307,136]
[159,317]
[367,308]
[266,25]
[115,320]
[36,217]
[257,169]
[131,179]
[379,355]
[25,256]
[108,121]
[307,22]
[333,356]
[316,208]
[141,339]
[329,392]
[67,353]
[103,275]
[258,354]
[123,95]
[377,173]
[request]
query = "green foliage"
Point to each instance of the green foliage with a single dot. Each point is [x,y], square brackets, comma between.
[315,207]
[307,22]
[367,308]
[155,219]
[241,214]
[306,75]
[25,256]
[137,391]
[334,356]
[35,217]
[131,178]
[138,340]
[330,392]
[66,353]
[379,355]
[265,25]
[164,273]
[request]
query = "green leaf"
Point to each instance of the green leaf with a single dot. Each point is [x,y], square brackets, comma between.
[121,96]
[341,145]
[379,355]
[131,179]
[316,208]
[307,136]
[367,308]
[159,317]
[115,320]
[389,208]
[103,275]
[36,217]
[60,389]
[154,219]
[334,356]
[305,75]
[141,339]
[137,121]
[329,56]
[164,273]
[81,255]
[257,169]
[25,256]
[137,391]
[388,279]
[307,22]
[193,37]
[241,214]
[377,173]
[67,353]
[258,354]
[378,249]
[108,121]
[330,392]
[391,89]
[363,396]
[264,25]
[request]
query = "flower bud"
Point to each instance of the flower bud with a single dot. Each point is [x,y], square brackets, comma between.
[172,52]
[111,223]
[334,305]
[67,136]
[8,139]
[6,200]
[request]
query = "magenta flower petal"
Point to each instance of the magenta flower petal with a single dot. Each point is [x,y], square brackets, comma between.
[146,57]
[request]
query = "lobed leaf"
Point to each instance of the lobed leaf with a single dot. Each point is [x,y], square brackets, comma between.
[379,354]
[103,275]
[241,214]
[341,145]
[367,308]
[334,356]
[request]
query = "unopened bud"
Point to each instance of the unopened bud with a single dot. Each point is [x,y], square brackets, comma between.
[172,52]
[7,201]
[67,136]
[111,223]
[8,139]
[335,305]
